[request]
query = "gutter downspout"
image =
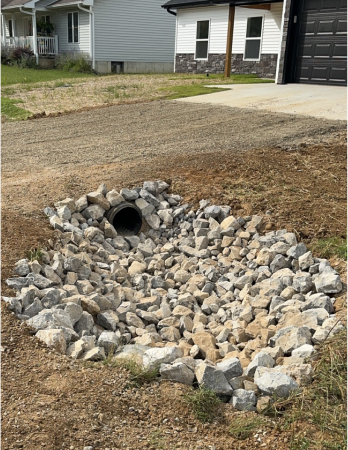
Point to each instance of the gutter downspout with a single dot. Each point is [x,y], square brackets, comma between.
[91,31]
[33,14]
[171,12]
[3,29]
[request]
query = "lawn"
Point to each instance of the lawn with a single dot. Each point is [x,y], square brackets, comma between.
[55,91]
[13,75]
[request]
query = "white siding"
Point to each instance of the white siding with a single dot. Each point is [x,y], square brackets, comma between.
[187,25]
[218,16]
[59,19]
[271,28]
[128,31]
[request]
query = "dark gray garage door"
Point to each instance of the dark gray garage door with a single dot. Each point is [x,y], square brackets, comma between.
[320,44]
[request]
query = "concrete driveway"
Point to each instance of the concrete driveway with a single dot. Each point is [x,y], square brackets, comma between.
[329,102]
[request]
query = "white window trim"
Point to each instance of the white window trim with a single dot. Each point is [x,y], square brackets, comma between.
[253,38]
[203,40]
[78,27]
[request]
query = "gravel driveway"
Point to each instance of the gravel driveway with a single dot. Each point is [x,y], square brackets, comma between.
[124,132]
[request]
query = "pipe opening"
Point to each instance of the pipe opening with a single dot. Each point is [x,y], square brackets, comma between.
[126,219]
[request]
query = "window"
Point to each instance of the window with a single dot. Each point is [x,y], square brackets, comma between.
[202,39]
[10,28]
[73,27]
[253,38]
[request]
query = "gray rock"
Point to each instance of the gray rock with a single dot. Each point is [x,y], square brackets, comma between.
[297,250]
[14,304]
[305,351]
[129,194]
[213,378]
[306,261]
[178,372]
[85,323]
[277,384]
[149,198]
[244,400]
[94,212]
[18,283]
[154,357]
[302,282]
[328,282]
[290,338]
[109,341]
[318,301]
[260,360]
[108,320]
[96,354]
[212,211]
[145,207]
[51,298]
[153,221]
[151,186]
[231,368]
[34,308]
[114,198]
[22,268]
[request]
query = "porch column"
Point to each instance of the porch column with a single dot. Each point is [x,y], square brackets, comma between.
[14,25]
[35,36]
[3,29]
[229,41]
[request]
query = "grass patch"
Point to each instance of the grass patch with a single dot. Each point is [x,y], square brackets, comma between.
[13,75]
[138,374]
[174,92]
[243,427]
[204,403]
[34,254]
[11,111]
[233,79]
[320,409]
[330,247]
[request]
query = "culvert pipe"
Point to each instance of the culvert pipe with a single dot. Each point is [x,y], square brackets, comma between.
[126,218]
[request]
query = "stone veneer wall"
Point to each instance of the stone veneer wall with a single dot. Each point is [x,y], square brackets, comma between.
[265,68]
[281,73]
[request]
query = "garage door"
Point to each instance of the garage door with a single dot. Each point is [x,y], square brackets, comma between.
[320,44]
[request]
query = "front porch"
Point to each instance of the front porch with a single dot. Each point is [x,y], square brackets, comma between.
[46,45]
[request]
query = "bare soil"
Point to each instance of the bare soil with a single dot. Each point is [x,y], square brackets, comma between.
[290,169]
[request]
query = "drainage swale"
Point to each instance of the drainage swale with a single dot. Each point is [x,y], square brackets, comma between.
[126,218]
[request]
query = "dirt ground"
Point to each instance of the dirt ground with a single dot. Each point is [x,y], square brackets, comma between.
[290,169]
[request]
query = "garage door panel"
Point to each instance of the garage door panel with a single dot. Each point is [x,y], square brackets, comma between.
[341,26]
[321,47]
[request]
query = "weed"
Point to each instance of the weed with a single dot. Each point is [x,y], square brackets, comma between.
[138,374]
[157,440]
[8,91]
[204,403]
[35,254]
[243,427]
[73,62]
[327,248]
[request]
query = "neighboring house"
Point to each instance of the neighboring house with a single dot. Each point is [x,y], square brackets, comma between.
[303,41]
[118,35]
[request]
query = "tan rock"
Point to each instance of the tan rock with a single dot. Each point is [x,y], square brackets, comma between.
[136,267]
[205,342]
[53,338]
[89,305]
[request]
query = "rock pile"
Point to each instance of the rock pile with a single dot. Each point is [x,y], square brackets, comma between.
[201,294]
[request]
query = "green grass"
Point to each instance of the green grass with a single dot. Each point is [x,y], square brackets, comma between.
[204,403]
[138,374]
[188,91]
[11,111]
[321,407]
[330,247]
[233,79]
[243,427]
[13,75]
[34,254]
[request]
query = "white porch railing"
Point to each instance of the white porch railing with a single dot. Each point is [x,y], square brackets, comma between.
[46,45]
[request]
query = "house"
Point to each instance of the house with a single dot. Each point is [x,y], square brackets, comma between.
[302,41]
[118,35]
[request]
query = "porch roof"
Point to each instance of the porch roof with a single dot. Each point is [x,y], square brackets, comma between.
[191,3]
[6,4]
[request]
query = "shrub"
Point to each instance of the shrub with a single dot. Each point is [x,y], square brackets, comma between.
[73,62]
[23,57]
[5,54]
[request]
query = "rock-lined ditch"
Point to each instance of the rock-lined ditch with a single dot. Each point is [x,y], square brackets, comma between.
[199,294]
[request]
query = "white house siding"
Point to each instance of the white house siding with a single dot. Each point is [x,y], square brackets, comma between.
[129,31]
[271,28]
[218,16]
[59,19]
[187,25]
